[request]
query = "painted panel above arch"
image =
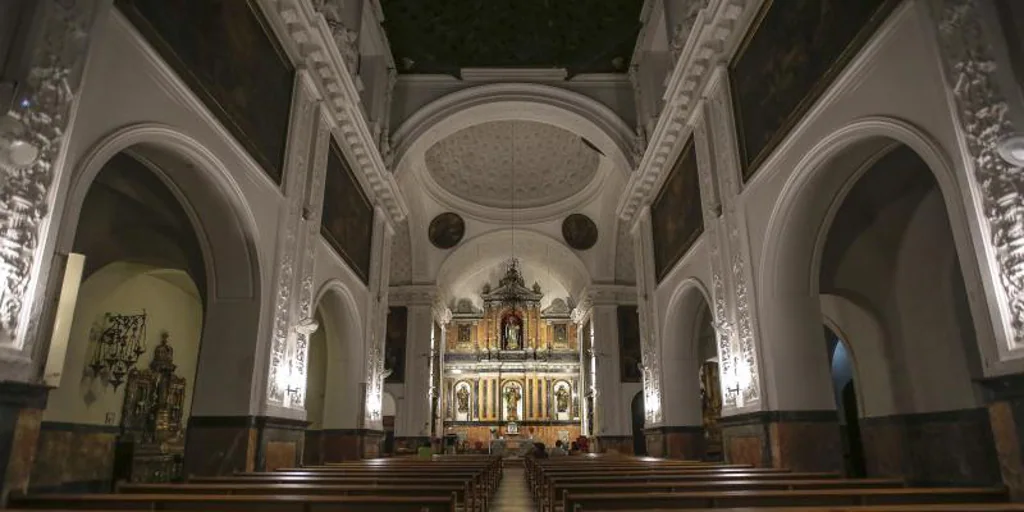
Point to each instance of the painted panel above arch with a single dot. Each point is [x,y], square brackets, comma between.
[789,58]
[227,54]
[347,221]
[677,218]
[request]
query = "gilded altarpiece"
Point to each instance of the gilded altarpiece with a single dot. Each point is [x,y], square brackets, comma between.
[511,371]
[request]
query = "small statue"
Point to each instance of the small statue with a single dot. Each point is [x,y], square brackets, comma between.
[512,397]
[562,399]
[462,399]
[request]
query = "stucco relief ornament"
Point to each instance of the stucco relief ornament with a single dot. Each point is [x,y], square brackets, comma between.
[33,133]
[681,32]
[983,113]
[345,38]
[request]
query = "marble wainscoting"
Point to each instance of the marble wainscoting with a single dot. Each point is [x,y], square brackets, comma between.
[617,444]
[74,457]
[1006,417]
[948,447]
[221,445]
[799,440]
[21,417]
[686,442]
[409,444]
[338,444]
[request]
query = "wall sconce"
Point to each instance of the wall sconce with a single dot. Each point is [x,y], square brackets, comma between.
[16,148]
[1011,149]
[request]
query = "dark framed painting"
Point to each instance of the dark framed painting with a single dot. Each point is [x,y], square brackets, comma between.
[228,55]
[347,221]
[630,356]
[579,231]
[446,230]
[677,218]
[792,53]
[394,343]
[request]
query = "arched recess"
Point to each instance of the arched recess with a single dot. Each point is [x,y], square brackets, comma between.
[225,231]
[680,357]
[865,337]
[345,371]
[788,272]
[877,224]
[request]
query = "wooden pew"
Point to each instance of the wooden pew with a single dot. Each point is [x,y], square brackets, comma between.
[797,498]
[958,507]
[233,503]
[559,490]
[543,479]
[410,488]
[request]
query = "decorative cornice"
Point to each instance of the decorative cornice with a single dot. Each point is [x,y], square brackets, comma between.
[312,38]
[715,32]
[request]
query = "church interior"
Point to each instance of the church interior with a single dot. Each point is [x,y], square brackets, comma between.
[406,255]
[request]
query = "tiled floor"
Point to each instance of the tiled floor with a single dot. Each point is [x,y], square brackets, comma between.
[512,495]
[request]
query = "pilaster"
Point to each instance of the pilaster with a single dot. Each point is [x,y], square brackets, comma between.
[413,421]
[376,322]
[650,351]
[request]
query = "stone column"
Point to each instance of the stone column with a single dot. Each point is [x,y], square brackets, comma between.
[412,425]
[611,416]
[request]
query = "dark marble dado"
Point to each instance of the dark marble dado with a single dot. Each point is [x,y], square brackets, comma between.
[686,442]
[799,440]
[74,457]
[221,445]
[21,414]
[351,444]
[618,444]
[948,447]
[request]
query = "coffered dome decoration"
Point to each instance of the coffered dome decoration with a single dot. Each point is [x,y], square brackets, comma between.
[476,163]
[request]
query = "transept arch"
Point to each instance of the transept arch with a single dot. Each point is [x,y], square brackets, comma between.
[788,279]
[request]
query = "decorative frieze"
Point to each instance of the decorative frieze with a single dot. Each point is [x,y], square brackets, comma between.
[712,37]
[308,32]
[982,111]
[346,39]
[39,117]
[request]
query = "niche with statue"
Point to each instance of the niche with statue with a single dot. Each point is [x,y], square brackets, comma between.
[152,442]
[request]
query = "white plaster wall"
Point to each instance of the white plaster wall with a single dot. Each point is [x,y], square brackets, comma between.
[126,85]
[171,303]
[897,76]
[316,378]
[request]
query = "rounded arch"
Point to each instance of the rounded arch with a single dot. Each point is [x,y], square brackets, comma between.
[681,318]
[529,102]
[680,346]
[486,252]
[865,340]
[570,111]
[225,230]
[788,280]
[343,330]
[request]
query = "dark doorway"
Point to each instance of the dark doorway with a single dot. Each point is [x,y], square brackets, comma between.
[639,442]
[841,364]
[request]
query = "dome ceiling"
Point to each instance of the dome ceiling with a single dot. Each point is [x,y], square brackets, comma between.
[476,164]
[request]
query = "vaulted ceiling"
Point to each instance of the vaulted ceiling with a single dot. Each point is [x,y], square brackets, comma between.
[443,36]
[519,164]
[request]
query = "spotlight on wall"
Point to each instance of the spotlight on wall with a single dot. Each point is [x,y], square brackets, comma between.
[1011,149]
[15,148]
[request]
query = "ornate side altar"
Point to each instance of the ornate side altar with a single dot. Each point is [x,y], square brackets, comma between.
[511,368]
[152,440]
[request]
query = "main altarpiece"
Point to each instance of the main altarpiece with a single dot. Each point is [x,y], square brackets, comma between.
[511,369]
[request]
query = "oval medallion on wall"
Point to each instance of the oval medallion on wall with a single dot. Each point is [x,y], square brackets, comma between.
[579,231]
[446,230]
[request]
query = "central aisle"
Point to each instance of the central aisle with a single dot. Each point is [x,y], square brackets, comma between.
[512,495]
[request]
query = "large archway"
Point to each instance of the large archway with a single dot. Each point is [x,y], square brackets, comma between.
[690,403]
[169,268]
[874,232]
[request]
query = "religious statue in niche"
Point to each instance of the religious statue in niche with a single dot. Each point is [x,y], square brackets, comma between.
[462,399]
[152,437]
[561,335]
[562,399]
[512,396]
[465,334]
[512,332]
[711,405]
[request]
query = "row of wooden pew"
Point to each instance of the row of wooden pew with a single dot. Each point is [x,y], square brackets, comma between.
[441,484]
[597,483]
